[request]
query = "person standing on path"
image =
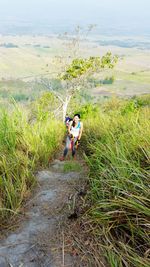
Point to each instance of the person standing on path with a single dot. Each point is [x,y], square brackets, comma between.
[75,129]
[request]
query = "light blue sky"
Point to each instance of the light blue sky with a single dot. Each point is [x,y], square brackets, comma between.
[133,14]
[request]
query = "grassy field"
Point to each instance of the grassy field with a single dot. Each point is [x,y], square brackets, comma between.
[24,58]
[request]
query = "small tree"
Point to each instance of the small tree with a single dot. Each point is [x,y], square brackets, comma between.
[75,76]
[75,70]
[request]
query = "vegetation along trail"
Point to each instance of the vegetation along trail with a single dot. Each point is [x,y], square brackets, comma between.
[91,215]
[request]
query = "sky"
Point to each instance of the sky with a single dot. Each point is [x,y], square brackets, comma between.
[130,15]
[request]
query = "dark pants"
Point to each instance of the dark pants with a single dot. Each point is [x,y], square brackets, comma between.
[70,142]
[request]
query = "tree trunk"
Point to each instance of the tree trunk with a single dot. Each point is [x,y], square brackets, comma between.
[65,106]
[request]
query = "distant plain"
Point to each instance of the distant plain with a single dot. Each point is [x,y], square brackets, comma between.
[24,58]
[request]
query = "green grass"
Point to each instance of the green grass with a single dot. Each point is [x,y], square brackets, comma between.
[25,144]
[117,143]
[72,166]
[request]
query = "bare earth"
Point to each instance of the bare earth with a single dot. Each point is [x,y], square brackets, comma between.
[39,239]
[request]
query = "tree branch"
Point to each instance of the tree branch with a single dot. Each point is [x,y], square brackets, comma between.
[48,85]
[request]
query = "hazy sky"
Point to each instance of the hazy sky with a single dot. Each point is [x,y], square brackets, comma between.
[106,13]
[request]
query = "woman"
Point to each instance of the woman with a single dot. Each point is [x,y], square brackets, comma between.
[75,129]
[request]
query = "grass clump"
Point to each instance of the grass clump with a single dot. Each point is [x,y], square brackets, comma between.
[117,143]
[72,166]
[24,146]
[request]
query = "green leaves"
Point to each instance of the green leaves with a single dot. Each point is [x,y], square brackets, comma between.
[80,66]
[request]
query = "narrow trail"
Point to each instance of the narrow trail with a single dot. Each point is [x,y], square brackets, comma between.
[37,242]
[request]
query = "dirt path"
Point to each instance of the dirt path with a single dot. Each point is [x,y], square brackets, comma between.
[36,243]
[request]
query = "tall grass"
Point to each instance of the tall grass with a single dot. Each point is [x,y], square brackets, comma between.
[117,143]
[23,146]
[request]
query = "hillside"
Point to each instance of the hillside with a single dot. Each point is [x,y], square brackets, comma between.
[92,210]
